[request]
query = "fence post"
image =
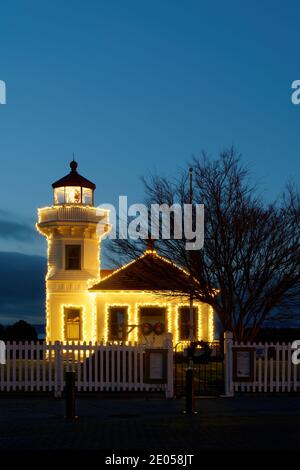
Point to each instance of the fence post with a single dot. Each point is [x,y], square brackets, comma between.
[57,370]
[229,392]
[170,372]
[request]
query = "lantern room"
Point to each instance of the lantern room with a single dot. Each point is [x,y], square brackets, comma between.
[74,188]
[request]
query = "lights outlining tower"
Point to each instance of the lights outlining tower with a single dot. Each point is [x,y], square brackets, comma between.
[73,228]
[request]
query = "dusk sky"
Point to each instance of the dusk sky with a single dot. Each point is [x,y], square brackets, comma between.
[134,87]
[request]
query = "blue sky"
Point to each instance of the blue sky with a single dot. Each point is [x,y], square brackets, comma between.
[138,86]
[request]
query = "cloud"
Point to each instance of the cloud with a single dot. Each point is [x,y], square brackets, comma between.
[13,228]
[16,231]
[22,287]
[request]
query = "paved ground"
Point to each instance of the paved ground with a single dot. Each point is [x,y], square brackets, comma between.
[248,422]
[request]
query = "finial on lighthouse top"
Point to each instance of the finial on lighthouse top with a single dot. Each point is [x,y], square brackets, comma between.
[74,188]
[73,164]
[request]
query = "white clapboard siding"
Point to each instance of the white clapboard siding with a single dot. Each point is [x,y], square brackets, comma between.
[41,367]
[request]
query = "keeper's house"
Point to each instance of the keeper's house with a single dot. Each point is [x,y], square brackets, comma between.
[85,303]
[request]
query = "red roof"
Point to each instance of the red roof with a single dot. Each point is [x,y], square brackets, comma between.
[149,272]
[105,272]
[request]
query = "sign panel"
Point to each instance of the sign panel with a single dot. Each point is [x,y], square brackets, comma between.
[243,364]
[156,366]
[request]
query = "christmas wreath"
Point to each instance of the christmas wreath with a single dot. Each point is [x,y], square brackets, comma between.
[146,328]
[159,328]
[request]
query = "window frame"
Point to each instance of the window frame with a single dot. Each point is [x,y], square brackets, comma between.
[115,308]
[196,314]
[66,309]
[152,311]
[67,247]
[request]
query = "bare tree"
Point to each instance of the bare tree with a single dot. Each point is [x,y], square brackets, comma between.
[250,263]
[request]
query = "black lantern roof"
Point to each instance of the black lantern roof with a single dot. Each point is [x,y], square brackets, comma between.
[74,179]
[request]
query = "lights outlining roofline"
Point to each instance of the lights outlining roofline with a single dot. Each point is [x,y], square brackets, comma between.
[125,266]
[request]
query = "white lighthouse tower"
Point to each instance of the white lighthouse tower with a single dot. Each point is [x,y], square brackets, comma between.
[73,228]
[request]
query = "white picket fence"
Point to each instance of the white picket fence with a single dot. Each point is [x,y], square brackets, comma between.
[41,367]
[272,370]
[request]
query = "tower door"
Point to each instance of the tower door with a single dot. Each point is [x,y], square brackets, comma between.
[153,324]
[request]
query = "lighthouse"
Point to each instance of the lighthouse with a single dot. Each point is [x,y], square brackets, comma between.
[73,227]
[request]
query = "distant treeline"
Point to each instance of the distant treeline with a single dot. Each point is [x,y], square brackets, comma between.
[23,331]
[19,331]
[280,335]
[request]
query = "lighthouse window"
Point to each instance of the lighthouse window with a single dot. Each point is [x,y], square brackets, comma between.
[118,319]
[72,195]
[59,195]
[87,196]
[72,324]
[73,257]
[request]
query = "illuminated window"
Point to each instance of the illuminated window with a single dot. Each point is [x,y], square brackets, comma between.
[117,319]
[72,324]
[59,196]
[72,195]
[73,257]
[87,196]
[184,323]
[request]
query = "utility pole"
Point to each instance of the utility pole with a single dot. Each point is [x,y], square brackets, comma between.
[191,322]
[189,373]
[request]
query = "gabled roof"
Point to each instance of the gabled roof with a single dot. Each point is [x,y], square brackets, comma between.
[74,179]
[149,272]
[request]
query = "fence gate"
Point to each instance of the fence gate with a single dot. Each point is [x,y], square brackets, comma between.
[208,370]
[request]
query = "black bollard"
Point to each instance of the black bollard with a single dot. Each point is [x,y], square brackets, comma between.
[189,391]
[70,395]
